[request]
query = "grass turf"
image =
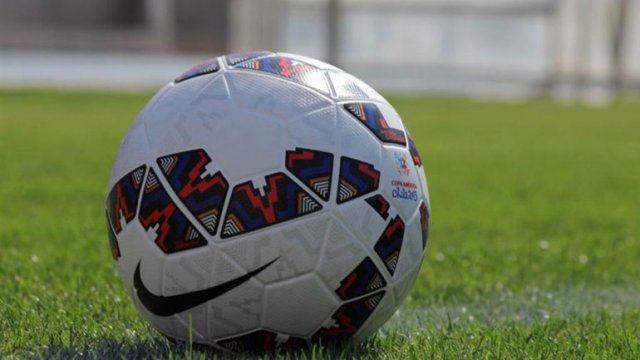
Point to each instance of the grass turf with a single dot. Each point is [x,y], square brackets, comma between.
[533,252]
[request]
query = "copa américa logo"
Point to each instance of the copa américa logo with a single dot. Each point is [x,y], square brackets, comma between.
[402,166]
[403,189]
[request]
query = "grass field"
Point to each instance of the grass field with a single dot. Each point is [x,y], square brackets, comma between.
[534,248]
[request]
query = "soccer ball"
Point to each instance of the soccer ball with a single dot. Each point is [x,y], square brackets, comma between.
[266,201]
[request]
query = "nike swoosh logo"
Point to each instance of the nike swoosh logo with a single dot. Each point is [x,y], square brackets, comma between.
[169,305]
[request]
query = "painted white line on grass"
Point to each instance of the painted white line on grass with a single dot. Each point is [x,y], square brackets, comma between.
[529,306]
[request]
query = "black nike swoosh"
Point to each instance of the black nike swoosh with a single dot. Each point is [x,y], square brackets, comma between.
[169,305]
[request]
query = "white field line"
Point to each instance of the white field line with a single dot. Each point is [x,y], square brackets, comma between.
[531,305]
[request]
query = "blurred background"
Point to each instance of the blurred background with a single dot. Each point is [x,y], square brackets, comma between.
[570,49]
[530,150]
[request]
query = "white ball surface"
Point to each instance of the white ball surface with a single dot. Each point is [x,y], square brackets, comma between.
[272,199]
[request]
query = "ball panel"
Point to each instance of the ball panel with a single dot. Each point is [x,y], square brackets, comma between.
[296,245]
[234,59]
[237,157]
[417,161]
[188,272]
[380,204]
[201,191]
[348,319]
[357,178]
[113,240]
[188,122]
[281,199]
[355,140]
[314,168]
[381,314]
[362,220]
[345,86]
[133,153]
[149,265]
[237,311]
[297,306]
[134,246]
[403,285]
[311,61]
[371,94]
[393,121]
[415,155]
[316,130]
[122,201]
[268,95]
[425,191]
[424,224]
[364,279]
[182,118]
[262,341]
[175,327]
[291,69]
[411,253]
[164,222]
[340,254]
[206,67]
[208,94]
[389,245]
[370,115]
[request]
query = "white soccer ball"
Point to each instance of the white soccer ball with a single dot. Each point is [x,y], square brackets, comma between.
[267,201]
